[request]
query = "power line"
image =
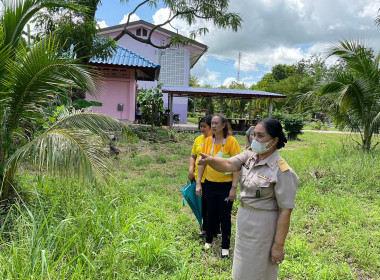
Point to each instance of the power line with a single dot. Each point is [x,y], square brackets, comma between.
[243,65]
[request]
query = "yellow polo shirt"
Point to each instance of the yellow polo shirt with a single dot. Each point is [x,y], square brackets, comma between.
[197,148]
[231,148]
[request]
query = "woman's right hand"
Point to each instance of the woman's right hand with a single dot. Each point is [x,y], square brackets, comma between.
[198,190]
[203,159]
[191,177]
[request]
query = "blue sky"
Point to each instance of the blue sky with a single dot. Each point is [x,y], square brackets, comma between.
[272,32]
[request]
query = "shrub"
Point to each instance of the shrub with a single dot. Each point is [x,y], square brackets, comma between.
[278,115]
[152,105]
[293,125]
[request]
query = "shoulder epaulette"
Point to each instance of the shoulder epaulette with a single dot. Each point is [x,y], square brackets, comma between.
[282,164]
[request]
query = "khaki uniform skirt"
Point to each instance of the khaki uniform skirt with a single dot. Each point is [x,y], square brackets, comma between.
[253,243]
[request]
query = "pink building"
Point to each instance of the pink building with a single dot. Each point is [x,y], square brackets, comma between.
[173,66]
[118,86]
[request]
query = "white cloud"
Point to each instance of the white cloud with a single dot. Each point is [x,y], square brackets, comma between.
[134,17]
[177,26]
[228,81]
[101,24]
[334,26]
[248,81]
[370,10]
[210,78]
[286,31]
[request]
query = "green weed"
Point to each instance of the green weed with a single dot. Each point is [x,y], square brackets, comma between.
[135,227]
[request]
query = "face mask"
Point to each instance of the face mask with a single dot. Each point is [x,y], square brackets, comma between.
[260,148]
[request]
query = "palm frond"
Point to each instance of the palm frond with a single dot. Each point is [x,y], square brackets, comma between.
[64,152]
[36,75]
[96,123]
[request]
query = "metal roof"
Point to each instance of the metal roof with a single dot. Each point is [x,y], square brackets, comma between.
[239,93]
[125,57]
[145,69]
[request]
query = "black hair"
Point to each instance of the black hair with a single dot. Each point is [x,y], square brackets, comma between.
[226,131]
[206,119]
[274,129]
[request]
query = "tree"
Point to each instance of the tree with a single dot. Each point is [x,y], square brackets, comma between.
[81,24]
[78,27]
[282,71]
[77,30]
[192,12]
[30,75]
[352,95]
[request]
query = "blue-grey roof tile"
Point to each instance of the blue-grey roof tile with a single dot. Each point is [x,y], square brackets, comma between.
[126,57]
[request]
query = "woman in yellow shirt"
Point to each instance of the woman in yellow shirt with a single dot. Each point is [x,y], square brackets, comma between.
[219,189]
[205,127]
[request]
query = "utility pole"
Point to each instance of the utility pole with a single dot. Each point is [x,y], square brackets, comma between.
[238,74]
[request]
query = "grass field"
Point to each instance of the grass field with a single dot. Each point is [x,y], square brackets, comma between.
[136,226]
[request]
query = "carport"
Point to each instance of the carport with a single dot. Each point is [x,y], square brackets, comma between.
[221,93]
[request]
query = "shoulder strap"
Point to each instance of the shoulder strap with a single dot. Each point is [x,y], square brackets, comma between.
[282,164]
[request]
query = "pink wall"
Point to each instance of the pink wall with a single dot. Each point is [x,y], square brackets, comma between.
[148,51]
[114,91]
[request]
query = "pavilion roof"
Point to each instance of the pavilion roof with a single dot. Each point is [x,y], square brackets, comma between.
[223,92]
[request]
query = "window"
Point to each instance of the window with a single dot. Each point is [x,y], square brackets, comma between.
[173,67]
[141,32]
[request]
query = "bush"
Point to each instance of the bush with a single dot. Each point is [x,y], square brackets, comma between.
[293,125]
[152,105]
[278,115]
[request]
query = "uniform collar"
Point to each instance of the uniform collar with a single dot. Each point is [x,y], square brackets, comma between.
[270,161]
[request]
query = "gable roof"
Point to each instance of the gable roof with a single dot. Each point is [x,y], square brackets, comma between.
[194,55]
[147,70]
[143,23]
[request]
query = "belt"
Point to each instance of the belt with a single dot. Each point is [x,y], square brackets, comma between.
[246,206]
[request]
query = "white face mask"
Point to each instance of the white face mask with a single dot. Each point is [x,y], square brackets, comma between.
[260,148]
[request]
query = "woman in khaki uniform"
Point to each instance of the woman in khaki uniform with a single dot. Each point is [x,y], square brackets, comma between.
[268,190]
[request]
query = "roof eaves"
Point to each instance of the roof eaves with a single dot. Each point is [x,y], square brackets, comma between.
[138,23]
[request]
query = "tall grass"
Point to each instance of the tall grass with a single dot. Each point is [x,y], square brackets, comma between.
[137,228]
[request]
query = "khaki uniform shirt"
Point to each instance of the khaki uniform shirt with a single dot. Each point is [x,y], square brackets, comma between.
[268,185]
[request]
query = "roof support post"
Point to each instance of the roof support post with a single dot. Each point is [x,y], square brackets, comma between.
[209,106]
[270,107]
[250,109]
[170,96]
[221,104]
[233,107]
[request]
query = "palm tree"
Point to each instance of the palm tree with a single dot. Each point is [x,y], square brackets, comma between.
[29,77]
[352,96]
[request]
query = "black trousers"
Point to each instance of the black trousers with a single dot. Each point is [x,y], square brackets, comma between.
[204,214]
[218,210]
[204,210]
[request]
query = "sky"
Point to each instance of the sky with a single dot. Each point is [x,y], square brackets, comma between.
[272,32]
